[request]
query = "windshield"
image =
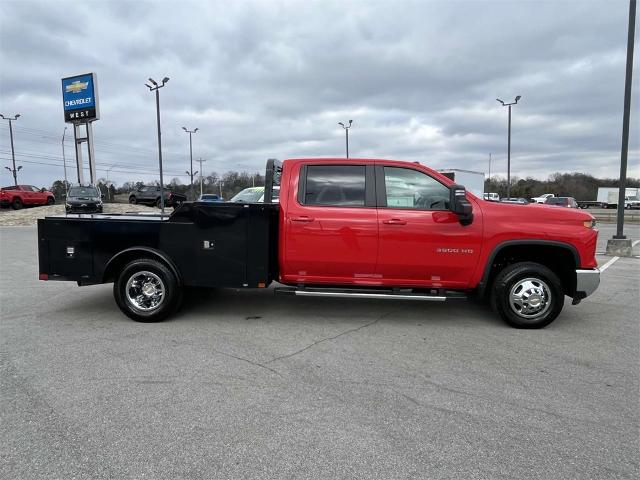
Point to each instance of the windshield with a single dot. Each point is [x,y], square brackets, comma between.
[556,201]
[249,195]
[83,192]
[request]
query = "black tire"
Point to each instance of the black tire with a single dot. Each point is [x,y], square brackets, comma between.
[51,201]
[159,203]
[16,204]
[522,278]
[133,200]
[147,268]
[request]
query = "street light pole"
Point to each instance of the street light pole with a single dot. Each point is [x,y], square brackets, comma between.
[13,155]
[190,132]
[625,121]
[201,160]
[156,89]
[64,162]
[509,143]
[346,131]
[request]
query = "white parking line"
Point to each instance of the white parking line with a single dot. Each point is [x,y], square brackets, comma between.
[608,264]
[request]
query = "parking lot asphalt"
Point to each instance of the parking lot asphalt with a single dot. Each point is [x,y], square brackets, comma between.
[242,384]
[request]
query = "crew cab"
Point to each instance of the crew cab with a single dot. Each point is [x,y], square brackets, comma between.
[150,195]
[19,196]
[360,228]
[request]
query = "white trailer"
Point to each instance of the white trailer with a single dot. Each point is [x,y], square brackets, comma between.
[608,196]
[471,180]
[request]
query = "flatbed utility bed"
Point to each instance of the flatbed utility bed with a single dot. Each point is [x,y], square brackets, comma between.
[206,244]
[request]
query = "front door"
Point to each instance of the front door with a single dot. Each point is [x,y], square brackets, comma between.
[422,243]
[331,227]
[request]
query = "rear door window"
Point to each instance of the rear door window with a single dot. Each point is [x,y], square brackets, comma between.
[335,185]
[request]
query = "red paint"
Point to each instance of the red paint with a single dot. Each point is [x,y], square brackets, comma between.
[27,194]
[407,247]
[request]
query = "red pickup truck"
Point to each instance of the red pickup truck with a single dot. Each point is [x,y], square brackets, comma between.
[25,195]
[357,228]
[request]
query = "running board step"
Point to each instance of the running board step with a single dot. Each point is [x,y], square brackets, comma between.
[355,293]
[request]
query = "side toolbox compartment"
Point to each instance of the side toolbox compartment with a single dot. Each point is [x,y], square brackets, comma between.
[65,250]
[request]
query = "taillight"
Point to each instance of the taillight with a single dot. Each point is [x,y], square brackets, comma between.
[44,276]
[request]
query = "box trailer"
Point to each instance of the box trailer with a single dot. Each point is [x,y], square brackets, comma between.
[608,196]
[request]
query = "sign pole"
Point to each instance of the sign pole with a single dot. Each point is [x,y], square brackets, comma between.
[92,158]
[78,142]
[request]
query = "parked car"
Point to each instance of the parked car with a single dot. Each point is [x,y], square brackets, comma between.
[83,200]
[492,197]
[356,228]
[25,196]
[150,195]
[521,201]
[542,198]
[568,202]
[249,195]
[210,197]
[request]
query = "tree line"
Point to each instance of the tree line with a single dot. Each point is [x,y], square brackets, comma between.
[226,185]
[581,186]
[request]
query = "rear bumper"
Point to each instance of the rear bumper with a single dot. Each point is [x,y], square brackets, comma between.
[587,282]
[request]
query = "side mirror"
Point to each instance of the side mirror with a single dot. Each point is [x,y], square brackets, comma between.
[460,205]
[42,190]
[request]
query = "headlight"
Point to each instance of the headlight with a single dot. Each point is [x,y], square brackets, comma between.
[590,223]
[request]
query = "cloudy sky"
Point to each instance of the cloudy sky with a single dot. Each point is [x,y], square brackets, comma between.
[273,79]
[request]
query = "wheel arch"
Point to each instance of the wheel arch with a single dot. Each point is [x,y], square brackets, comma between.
[545,252]
[120,259]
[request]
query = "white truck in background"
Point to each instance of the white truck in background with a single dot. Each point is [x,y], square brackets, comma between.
[608,197]
[471,180]
[542,198]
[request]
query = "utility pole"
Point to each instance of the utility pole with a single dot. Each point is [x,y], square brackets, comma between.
[489,166]
[201,160]
[191,132]
[156,89]
[13,154]
[346,131]
[220,185]
[509,143]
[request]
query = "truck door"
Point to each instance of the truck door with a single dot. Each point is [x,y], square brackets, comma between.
[422,243]
[331,227]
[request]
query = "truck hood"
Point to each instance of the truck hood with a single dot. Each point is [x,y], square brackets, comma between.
[537,213]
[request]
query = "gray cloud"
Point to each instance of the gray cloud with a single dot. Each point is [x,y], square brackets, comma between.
[264,79]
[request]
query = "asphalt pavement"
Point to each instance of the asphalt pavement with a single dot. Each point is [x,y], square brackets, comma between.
[242,384]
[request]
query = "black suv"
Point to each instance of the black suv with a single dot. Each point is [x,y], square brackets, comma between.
[83,200]
[150,195]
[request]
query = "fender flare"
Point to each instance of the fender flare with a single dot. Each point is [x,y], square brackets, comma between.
[482,286]
[152,252]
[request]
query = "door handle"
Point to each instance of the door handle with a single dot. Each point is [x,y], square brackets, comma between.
[303,218]
[394,221]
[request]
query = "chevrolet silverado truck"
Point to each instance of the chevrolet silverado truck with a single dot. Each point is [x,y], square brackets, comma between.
[361,228]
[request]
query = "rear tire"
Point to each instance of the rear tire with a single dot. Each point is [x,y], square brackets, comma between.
[51,201]
[527,295]
[147,291]
[159,203]
[133,200]
[16,204]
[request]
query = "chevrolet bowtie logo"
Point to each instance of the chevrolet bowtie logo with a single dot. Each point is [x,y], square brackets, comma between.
[76,87]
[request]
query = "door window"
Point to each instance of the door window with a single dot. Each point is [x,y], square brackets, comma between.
[335,185]
[410,189]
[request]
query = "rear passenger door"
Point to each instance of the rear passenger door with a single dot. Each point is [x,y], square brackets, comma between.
[331,228]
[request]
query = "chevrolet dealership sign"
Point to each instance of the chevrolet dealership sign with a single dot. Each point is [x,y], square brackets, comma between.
[80,98]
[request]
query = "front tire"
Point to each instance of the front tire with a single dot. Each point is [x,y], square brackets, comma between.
[527,295]
[51,201]
[133,200]
[147,291]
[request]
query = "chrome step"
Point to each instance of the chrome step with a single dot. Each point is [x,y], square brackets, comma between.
[345,293]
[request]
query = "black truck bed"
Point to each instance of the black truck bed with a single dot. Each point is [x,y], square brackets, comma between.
[206,244]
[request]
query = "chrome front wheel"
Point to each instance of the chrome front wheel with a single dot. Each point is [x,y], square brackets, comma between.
[530,298]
